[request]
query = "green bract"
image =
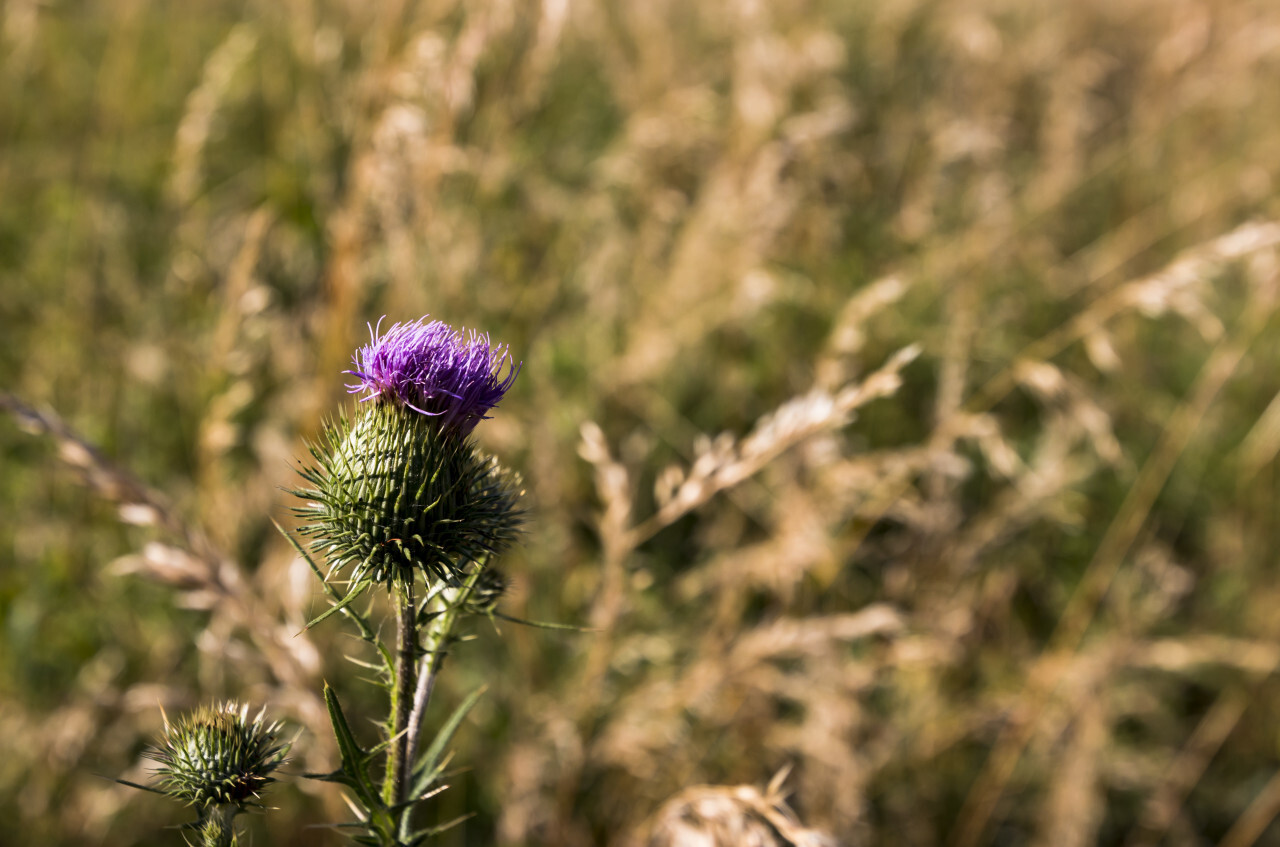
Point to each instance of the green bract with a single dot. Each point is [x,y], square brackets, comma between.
[393,494]
[491,584]
[216,756]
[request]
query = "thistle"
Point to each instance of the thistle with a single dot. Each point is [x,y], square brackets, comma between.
[399,496]
[219,761]
[491,585]
[400,490]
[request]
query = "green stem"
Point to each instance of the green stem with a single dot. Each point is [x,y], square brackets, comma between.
[439,633]
[401,696]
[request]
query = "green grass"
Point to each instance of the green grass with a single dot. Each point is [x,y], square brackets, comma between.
[669,211]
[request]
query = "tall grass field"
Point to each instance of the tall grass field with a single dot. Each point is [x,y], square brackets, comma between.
[898,415]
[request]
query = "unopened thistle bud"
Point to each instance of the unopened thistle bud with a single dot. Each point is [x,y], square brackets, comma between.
[216,756]
[490,587]
[400,489]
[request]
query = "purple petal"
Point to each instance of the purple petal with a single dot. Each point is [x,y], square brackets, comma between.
[432,368]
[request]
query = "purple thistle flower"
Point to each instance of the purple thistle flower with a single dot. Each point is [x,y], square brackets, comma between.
[434,369]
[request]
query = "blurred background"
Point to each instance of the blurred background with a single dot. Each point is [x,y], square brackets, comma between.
[900,403]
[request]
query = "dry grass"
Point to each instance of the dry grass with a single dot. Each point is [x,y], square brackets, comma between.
[899,402]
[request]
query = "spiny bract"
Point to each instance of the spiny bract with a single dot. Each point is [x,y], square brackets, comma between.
[217,756]
[391,493]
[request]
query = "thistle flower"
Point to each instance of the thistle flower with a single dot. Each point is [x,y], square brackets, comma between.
[431,368]
[216,756]
[400,489]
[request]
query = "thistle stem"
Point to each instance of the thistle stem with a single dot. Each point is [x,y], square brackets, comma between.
[426,684]
[433,656]
[438,635]
[401,701]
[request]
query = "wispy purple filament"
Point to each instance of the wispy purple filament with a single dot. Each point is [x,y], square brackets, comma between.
[436,370]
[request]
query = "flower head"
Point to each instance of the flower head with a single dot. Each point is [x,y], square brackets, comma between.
[491,585]
[391,494]
[431,368]
[217,756]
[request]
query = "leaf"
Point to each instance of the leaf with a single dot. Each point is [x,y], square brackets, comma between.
[424,772]
[383,745]
[143,787]
[361,621]
[353,758]
[404,810]
[423,834]
[543,624]
[339,776]
[341,605]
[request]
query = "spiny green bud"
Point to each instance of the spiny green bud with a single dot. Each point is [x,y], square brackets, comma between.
[216,756]
[392,492]
[490,587]
[216,828]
